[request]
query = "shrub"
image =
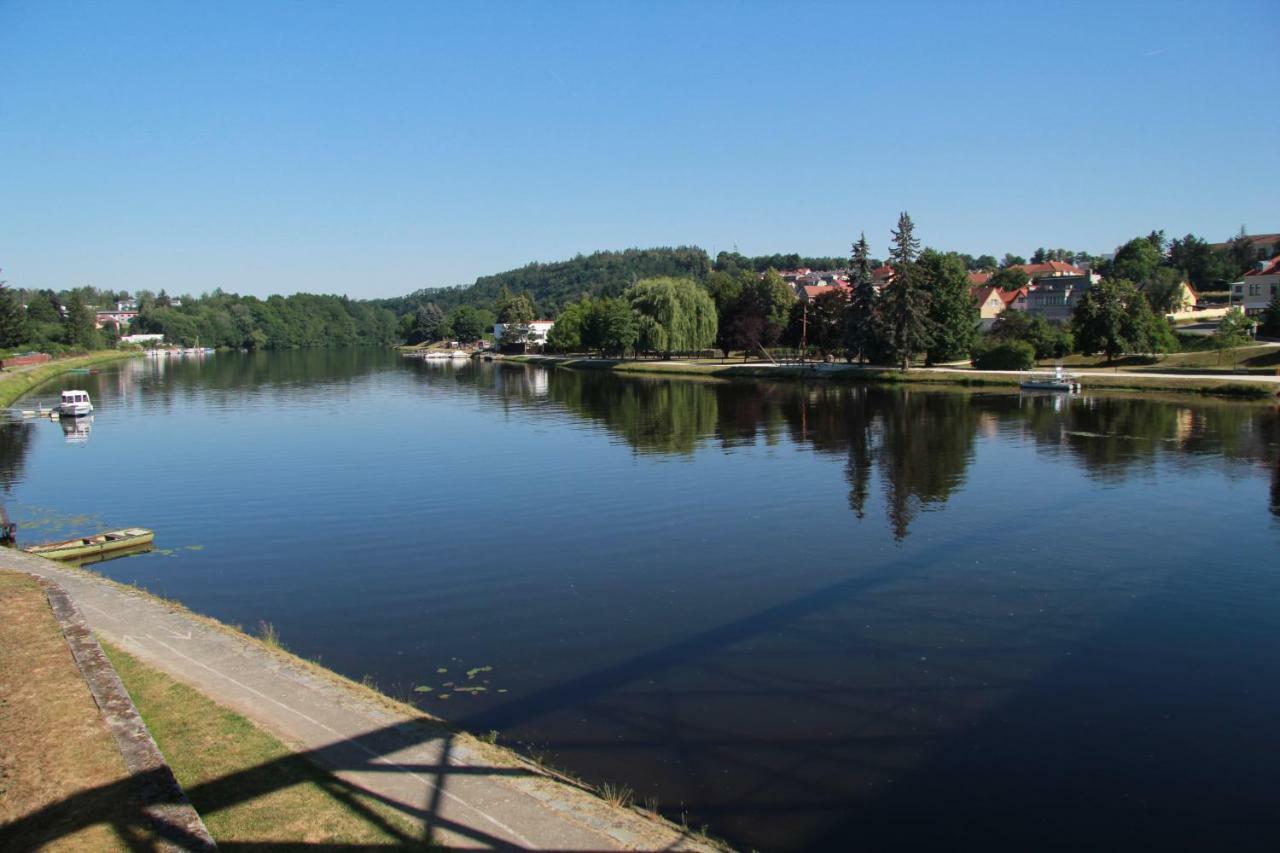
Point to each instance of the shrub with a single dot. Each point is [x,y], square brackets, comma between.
[1008,355]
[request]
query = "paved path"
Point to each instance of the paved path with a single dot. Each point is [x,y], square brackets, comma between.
[1190,378]
[464,793]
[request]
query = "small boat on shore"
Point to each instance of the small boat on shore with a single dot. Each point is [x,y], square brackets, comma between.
[134,551]
[1059,381]
[445,355]
[75,404]
[92,547]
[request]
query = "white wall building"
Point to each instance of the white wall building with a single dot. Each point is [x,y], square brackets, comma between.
[1258,287]
[536,333]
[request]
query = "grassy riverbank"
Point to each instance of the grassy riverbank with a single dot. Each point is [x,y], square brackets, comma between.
[189,725]
[218,755]
[20,381]
[1218,385]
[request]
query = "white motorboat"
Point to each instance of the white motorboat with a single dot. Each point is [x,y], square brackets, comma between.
[1059,380]
[75,404]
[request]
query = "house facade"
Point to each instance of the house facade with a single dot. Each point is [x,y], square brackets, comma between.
[118,317]
[1055,297]
[990,304]
[992,301]
[1258,287]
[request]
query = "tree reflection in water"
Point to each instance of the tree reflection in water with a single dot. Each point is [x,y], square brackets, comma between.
[916,443]
[15,441]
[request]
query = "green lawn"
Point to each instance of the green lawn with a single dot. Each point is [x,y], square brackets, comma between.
[15,383]
[249,787]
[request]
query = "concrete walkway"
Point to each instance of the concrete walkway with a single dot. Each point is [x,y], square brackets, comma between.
[462,792]
[1190,378]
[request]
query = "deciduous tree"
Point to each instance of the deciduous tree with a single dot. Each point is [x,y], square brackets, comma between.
[681,315]
[1205,266]
[1136,260]
[953,316]
[1113,317]
[1271,318]
[826,320]
[1009,278]
[78,325]
[566,334]
[468,323]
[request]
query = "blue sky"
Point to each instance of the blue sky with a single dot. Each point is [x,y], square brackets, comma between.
[375,148]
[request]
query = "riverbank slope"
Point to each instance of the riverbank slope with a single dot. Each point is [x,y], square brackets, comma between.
[19,381]
[459,790]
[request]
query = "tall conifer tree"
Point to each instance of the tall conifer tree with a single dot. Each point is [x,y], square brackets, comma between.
[13,318]
[862,325]
[906,304]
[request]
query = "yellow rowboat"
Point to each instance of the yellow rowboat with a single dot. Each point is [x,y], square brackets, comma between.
[89,547]
[112,555]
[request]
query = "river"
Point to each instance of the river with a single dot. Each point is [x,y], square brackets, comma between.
[804,616]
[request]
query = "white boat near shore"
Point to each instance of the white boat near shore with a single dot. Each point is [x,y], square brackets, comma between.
[74,404]
[1059,381]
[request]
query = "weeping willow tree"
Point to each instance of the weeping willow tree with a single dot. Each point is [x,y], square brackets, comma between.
[676,315]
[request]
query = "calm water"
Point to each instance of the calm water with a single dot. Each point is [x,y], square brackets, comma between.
[808,617]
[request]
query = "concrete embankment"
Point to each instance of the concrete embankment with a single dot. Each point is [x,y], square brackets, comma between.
[1225,385]
[15,383]
[460,790]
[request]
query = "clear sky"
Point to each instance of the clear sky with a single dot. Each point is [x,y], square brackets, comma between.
[375,148]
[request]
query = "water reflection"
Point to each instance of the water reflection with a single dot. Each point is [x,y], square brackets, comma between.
[76,430]
[15,441]
[741,599]
[916,444]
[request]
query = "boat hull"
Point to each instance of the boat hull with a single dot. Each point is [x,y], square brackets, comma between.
[89,547]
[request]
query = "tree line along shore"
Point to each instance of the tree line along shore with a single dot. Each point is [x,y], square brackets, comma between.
[679,301]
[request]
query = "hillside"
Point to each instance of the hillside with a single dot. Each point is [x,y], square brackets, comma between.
[554,285]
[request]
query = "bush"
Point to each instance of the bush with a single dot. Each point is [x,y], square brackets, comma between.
[1008,355]
[1050,340]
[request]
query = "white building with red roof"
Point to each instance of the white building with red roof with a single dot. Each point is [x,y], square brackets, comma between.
[1258,287]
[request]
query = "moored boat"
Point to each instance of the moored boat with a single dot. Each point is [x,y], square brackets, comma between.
[1059,380]
[75,404]
[89,547]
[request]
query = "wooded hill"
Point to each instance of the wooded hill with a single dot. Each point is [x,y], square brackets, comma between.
[554,285]
[604,274]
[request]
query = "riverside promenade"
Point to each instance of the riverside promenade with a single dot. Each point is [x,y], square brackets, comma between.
[461,792]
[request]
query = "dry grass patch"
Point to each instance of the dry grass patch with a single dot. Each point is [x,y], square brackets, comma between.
[54,745]
[248,786]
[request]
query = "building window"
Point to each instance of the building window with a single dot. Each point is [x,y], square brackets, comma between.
[1255,289]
